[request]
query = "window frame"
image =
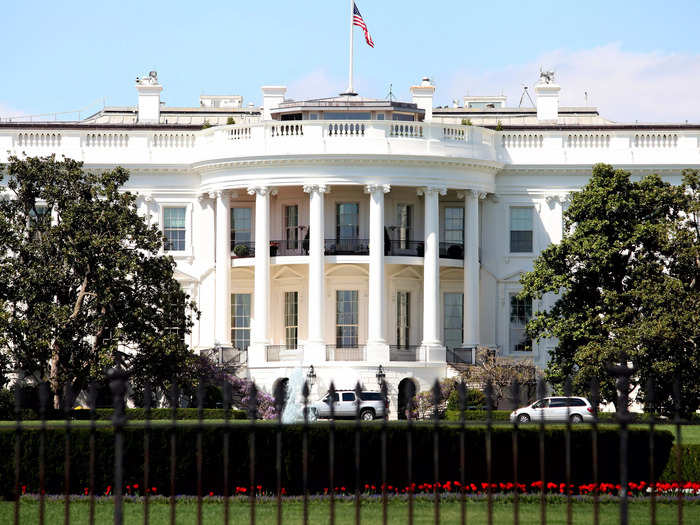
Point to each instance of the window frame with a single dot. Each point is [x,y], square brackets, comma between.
[176,203]
[509,214]
[235,328]
[286,316]
[513,348]
[339,327]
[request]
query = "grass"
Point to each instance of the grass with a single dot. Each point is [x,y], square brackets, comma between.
[212,512]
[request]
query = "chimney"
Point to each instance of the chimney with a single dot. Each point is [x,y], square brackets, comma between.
[547,97]
[422,96]
[149,98]
[273,96]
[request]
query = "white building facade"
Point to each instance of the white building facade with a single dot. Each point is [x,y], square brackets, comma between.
[348,233]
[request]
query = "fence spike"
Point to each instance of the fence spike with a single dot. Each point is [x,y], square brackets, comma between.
[437,395]
[43,398]
[567,386]
[515,393]
[462,396]
[253,401]
[332,392]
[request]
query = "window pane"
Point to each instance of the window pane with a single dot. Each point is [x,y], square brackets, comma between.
[521,218]
[174,228]
[454,225]
[453,313]
[347,220]
[241,224]
[521,229]
[520,314]
[403,308]
[291,318]
[346,318]
[240,320]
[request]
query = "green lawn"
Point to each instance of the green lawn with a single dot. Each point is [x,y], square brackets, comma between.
[371,512]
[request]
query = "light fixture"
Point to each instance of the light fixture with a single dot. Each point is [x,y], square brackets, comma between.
[380,375]
[311,376]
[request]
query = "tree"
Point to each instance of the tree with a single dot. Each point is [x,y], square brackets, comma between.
[83,285]
[501,372]
[627,280]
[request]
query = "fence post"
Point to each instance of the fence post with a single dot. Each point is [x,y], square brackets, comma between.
[622,375]
[117,383]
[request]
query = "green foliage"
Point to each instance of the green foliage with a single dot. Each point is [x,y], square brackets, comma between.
[105,414]
[478,415]
[81,273]
[628,277]
[370,452]
[690,464]
[230,121]
[241,250]
[473,398]
[499,126]
[466,122]
[206,125]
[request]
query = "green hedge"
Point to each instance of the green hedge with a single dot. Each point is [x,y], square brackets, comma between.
[265,439]
[478,415]
[690,464]
[103,414]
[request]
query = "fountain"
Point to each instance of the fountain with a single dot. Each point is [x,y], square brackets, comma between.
[293,411]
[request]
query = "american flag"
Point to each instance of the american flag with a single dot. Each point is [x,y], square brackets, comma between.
[359,22]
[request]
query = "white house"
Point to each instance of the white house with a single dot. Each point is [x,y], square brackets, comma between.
[348,233]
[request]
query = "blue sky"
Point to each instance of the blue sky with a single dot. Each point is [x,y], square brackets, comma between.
[638,60]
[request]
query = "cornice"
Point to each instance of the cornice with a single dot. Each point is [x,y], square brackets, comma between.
[320,160]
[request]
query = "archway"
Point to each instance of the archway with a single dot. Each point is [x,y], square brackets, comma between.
[407,389]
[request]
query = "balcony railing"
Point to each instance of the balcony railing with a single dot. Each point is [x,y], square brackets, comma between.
[452,250]
[338,353]
[463,356]
[289,247]
[404,352]
[283,353]
[405,248]
[243,248]
[226,356]
[347,247]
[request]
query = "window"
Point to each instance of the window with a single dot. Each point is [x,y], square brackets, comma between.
[348,396]
[521,229]
[453,312]
[403,117]
[544,403]
[403,320]
[240,320]
[174,228]
[557,402]
[380,116]
[371,396]
[345,115]
[520,314]
[38,220]
[347,220]
[291,318]
[291,226]
[454,225]
[575,402]
[240,226]
[346,319]
[405,212]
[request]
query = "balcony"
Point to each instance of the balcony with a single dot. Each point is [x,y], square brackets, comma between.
[404,248]
[283,353]
[338,353]
[289,247]
[452,250]
[347,246]
[404,352]
[465,356]
[242,249]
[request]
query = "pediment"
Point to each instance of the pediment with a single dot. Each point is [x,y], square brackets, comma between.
[347,270]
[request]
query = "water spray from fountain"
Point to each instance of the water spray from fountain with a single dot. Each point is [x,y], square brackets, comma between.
[294,405]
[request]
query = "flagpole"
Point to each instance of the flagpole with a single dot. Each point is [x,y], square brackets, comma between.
[352,11]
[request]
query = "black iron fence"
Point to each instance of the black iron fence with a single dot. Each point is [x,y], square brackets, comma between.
[450,461]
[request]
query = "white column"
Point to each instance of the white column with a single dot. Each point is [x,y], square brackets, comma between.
[205,253]
[471,268]
[314,349]
[376,330]
[431,271]
[223,269]
[261,298]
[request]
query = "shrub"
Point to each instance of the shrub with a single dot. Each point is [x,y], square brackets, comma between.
[690,464]
[474,398]
[206,125]
[241,250]
[318,467]
[230,121]
[105,414]
[478,415]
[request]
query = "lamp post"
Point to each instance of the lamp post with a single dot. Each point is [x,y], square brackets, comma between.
[380,375]
[311,376]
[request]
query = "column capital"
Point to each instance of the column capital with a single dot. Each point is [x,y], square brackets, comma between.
[429,190]
[316,188]
[261,190]
[222,195]
[148,198]
[371,188]
[204,197]
[470,193]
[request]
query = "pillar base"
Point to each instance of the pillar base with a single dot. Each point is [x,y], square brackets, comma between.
[256,353]
[314,352]
[377,352]
[434,352]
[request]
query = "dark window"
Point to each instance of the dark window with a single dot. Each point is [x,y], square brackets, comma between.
[347,221]
[291,225]
[541,404]
[521,229]
[575,402]
[174,229]
[520,314]
[291,318]
[454,225]
[291,116]
[371,396]
[348,396]
[557,402]
[344,115]
[241,229]
[402,117]
[240,320]
[346,319]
